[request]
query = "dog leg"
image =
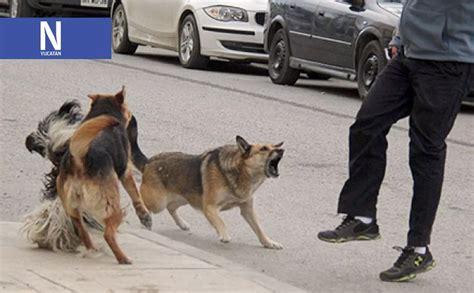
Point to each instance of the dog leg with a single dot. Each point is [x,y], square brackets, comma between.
[83,234]
[111,224]
[212,214]
[173,210]
[130,186]
[248,213]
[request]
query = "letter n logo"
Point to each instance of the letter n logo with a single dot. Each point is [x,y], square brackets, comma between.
[55,40]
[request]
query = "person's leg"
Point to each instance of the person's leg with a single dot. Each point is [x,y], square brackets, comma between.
[389,99]
[440,88]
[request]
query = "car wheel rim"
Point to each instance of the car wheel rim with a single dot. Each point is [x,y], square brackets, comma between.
[14,8]
[187,42]
[118,27]
[278,57]
[370,70]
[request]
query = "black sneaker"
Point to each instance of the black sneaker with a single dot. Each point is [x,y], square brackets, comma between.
[349,230]
[408,265]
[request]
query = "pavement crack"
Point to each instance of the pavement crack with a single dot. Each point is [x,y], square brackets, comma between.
[258,96]
[22,282]
[51,281]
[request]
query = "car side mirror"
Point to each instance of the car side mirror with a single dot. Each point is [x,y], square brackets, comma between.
[357,5]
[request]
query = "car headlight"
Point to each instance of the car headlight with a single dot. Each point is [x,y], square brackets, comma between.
[227,13]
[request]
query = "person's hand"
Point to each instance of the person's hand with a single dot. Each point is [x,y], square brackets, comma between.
[393,51]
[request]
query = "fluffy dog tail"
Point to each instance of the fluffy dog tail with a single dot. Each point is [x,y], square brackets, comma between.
[87,132]
[50,227]
[138,158]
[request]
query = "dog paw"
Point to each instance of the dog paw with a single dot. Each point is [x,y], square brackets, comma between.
[146,220]
[272,245]
[125,261]
[225,239]
[89,253]
[184,226]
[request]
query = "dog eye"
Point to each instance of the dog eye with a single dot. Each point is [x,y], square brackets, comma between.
[264,149]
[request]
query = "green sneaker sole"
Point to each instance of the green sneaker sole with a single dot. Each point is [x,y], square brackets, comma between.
[357,238]
[401,279]
[428,268]
[410,277]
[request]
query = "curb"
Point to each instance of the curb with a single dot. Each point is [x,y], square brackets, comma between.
[171,260]
[212,259]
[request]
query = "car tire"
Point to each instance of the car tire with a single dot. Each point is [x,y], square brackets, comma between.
[317,76]
[279,60]
[371,62]
[189,45]
[21,8]
[120,42]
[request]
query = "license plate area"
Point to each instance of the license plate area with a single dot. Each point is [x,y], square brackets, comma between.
[94,3]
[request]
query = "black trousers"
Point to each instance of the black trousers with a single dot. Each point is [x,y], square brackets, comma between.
[430,93]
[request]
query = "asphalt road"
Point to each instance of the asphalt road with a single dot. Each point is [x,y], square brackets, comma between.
[192,111]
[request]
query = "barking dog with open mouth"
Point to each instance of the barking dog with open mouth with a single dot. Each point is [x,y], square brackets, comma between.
[216,180]
[97,158]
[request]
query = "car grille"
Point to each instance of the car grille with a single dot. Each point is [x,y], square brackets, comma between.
[244,47]
[260,18]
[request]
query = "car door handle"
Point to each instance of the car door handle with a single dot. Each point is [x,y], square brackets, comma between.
[321,13]
[292,5]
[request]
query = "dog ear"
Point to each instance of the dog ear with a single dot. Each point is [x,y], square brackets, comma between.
[93,97]
[67,107]
[243,145]
[120,96]
[278,145]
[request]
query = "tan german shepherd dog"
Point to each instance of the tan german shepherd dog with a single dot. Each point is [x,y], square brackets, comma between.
[97,158]
[216,180]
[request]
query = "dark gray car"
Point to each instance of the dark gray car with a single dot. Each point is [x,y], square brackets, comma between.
[324,38]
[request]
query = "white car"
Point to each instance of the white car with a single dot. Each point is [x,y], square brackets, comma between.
[196,29]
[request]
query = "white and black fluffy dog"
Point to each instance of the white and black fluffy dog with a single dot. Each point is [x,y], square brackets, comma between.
[51,140]
[48,225]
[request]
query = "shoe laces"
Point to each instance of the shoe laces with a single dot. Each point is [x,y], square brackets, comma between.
[404,257]
[346,222]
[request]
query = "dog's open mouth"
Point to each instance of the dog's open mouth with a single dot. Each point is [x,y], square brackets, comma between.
[271,169]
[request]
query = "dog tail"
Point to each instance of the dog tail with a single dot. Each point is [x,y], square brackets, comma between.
[50,227]
[138,158]
[87,132]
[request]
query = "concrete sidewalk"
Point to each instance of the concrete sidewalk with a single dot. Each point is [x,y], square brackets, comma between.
[160,265]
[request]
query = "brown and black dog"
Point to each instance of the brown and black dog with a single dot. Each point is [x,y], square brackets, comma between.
[98,157]
[216,180]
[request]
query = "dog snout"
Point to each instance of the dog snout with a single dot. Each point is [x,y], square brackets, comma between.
[32,145]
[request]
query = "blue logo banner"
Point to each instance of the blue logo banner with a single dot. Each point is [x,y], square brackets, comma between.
[55,38]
